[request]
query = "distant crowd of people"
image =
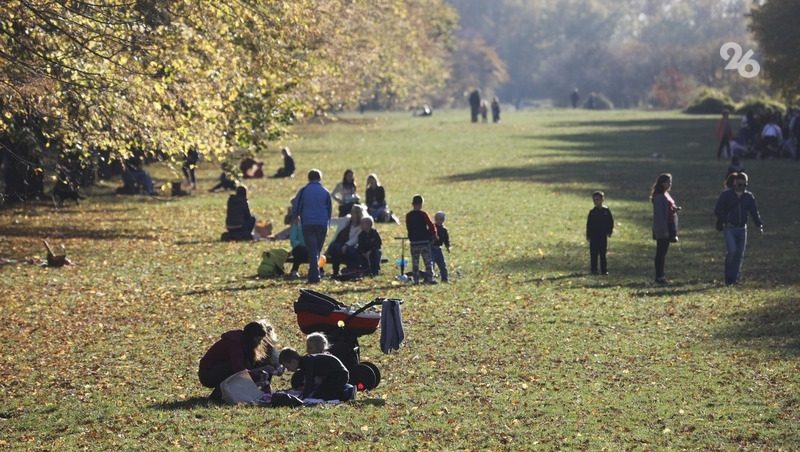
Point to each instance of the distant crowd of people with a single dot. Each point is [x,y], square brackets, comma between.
[763,134]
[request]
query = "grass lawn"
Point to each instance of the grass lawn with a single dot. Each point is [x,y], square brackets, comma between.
[522,350]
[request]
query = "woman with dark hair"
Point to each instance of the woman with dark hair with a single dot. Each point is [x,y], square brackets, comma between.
[255,348]
[288,164]
[376,200]
[665,221]
[238,220]
[345,193]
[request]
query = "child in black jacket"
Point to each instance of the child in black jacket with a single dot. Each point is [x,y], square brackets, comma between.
[369,247]
[443,240]
[325,375]
[599,226]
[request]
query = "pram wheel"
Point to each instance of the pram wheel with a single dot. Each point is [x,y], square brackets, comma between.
[375,370]
[363,378]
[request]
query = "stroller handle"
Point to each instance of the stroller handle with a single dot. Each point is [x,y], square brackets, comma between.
[375,302]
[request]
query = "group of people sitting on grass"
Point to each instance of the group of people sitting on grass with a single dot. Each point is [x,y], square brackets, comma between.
[252,168]
[762,134]
[254,348]
[345,194]
[356,244]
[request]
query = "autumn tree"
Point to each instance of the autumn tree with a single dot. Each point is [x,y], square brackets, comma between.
[221,76]
[775,27]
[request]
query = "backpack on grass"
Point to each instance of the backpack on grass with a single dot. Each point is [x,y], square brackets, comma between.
[272,262]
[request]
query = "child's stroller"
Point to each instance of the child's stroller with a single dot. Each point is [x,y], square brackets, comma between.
[343,325]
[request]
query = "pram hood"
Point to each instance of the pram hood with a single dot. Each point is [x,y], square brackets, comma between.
[319,312]
[317,303]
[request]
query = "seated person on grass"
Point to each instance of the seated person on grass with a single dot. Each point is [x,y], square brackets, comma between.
[344,247]
[226,180]
[325,377]
[239,221]
[135,178]
[376,201]
[369,247]
[288,164]
[252,348]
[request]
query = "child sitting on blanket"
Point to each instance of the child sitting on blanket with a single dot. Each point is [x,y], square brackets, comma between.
[316,343]
[322,367]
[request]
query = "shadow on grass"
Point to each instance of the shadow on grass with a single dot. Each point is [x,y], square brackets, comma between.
[621,153]
[188,404]
[213,290]
[72,232]
[573,275]
[774,326]
[349,290]
[673,289]
[197,242]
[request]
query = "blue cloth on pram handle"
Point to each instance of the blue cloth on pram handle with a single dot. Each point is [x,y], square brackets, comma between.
[392,333]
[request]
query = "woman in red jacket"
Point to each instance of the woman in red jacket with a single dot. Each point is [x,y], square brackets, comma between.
[253,346]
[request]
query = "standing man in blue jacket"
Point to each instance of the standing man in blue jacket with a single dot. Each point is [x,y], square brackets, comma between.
[732,209]
[312,205]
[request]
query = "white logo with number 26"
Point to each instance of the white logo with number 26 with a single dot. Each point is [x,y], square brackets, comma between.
[739,62]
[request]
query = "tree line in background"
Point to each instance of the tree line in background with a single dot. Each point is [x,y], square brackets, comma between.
[116,76]
[635,52]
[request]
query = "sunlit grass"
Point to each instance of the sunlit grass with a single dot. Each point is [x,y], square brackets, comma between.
[521,350]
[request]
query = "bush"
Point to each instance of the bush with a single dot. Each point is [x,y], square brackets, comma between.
[710,102]
[761,104]
[597,101]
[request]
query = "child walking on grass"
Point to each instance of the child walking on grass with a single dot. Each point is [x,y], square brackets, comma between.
[599,226]
[443,240]
[421,232]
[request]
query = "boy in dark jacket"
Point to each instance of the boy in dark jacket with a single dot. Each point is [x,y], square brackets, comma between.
[325,368]
[369,247]
[599,226]
[421,232]
[732,209]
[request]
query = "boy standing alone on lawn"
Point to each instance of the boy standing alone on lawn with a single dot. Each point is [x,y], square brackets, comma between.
[599,226]
[421,232]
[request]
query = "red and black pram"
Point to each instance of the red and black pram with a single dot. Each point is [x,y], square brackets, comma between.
[342,325]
